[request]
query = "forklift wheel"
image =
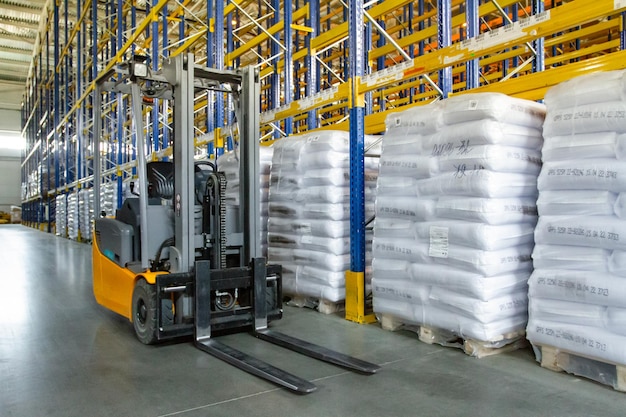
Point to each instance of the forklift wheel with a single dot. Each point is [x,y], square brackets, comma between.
[144,312]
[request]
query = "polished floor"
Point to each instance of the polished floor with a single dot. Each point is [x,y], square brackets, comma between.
[63,355]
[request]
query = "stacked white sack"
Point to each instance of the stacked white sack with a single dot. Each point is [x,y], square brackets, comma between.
[72,215]
[309,212]
[108,198]
[86,213]
[228,163]
[455,214]
[61,215]
[577,291]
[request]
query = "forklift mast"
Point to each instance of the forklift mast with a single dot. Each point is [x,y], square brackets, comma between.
[193,275]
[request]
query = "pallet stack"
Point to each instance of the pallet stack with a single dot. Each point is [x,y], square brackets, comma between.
[108,198]
[309,212]
[72,215]
[577,291]
[60,220]
[455,215]
[86,213]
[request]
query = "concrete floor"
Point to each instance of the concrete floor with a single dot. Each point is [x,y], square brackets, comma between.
[63,355]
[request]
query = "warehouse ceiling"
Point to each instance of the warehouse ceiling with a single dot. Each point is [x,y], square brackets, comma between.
[19,26]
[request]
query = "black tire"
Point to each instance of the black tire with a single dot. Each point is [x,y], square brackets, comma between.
[144,312]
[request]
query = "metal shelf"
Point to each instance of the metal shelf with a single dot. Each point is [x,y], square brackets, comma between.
[327,64]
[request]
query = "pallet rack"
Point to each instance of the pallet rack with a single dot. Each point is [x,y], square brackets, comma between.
[325,64]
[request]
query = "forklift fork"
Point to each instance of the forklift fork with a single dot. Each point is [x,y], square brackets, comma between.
[245,362]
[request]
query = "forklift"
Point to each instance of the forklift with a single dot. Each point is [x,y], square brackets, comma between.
[176,260]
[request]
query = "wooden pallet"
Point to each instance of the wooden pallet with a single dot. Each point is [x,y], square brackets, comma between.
[599,370]
[472,347]
[321,305]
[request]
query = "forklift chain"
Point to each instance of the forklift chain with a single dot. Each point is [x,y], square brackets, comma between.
[222,208]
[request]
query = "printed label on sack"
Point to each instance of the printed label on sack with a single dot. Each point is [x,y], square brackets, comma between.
[438,242]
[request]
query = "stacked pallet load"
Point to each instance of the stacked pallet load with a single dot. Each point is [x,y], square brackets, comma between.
[228,163]
[72,215]
[86,213]
[577,314]
[109,198]
[455,215]
[60,220]
[309,214]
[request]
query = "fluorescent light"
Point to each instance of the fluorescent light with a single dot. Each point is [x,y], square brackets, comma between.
[11,140]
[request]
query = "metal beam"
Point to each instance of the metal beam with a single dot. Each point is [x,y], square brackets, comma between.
[555,20]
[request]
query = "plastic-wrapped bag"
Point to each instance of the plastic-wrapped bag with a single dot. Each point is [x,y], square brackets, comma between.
[586,118]
[487,263]
[597,87]
[567,312]
[400,290]
[335,246]
[583,146]
[479,183]
[410,208]
[407,165]
[416,120]
[488,210]
[396,186]
[394,228]
[319,194]
[391,269]
[584,174]
[476,235]
[323,228]
[468,283]
[470,328]
[576,203]
[589,287]
[336,263]
[395,143]
[607,232]
[309,211]
[587,341]
[458,137]
[495,309]
[493,158]
[571,257]
[493,106]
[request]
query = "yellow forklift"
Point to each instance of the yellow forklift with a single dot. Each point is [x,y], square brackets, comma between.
[175,260]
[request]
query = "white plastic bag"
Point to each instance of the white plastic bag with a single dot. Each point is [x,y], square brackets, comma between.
[583,146]
[599,288]
[570,257]
[586,118]
[583,174]
[469,283]
[480,183]
[596,87]
[476,235]
[488,210]
[576,203]
[607,232]
[493,106]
